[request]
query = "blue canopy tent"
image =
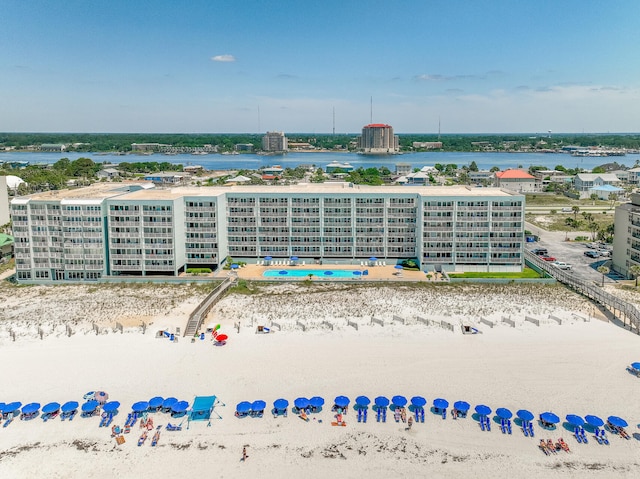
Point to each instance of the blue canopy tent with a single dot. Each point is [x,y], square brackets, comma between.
[524,415]
[418,401]
[69,406]
[363,401]
[440,403]
[636,366]
[89,407]
[301,403]
[202,408]
[342,401]
[179,408]
[574,420]
[294,260]
[280,404]
[483,410]
[617,421]
[381,401]
[234,266]
[11,407]
[316,402]
[168,403]
[30,410]
[268,259]
[399,401]
[243,408]
[372,260]
[50,408]
[593,421]
[156,402]
[111,407]
[462,406]
[548,419]
[504,413]
[257,407]
[140,406]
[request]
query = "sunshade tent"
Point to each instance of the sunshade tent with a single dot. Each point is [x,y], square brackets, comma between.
[550,418]
[342,401]
[101,397]
[30,408]
[69,406]
[169,402]
[111,406]
[462,406]
[483,410]
[418,401]
[243,407]
[281,404]
[50,407]
[524,415]
[11,407]
[617,421]
[382,401]
[504,413]
[363,401]
[301,403]
[399,401]
[257,406]
[316,401]
[90,406]
[156,402]
[398,266]
[594,421]
[373,258]
[234,266]
[202,408]
[180,407]
[574,420]
[440,403]
[140,406]
[294,258]
[635,366]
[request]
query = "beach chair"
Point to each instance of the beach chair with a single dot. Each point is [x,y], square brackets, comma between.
[509,426]
[525,431]
[444,414]
[597,436]
[72,414]
[531,429]
[583,435]
[604,438]
[384,414]
[576,433]
[378,414]
[482,423]
[416,413]
[156,437]
[421,414]
[142,438]
[543,447]
[488,423]
[103,420]
[172,427]
[364,416]
[359,415]
[384,263]
[564,445]
[503,426]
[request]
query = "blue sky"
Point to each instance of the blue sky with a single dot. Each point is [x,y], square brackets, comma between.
[257,65]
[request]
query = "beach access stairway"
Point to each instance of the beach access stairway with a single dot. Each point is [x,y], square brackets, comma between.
[201,311]
[621,309]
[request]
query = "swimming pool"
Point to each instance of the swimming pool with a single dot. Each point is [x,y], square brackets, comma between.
[318,273]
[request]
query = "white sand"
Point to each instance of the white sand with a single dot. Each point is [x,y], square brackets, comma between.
[578,368]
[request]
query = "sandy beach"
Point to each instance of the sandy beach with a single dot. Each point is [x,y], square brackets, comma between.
[577,367]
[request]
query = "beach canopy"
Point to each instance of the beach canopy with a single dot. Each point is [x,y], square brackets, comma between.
[381,401]
[169,402]
[549,417]
[268,258]
[363,401]
[483,410]
[90,406]
[399,401]
[31,408]
[594,421]
[398,266]
[440,403]
[342,401]
[280,404]
[524,415]
[418,401]
[373,258]
[11,407]
[294,258]
[301,403]
[111,406]
[574,420]
[635,366]
[50,407]
[617,421]
[156,402]
[316,401]
[140,406]
[234,266]
[244,406]
[258,405]
[202,408]
[461,406]
[504,413]
[180,406]
[69,406]
[221,337]
[101,397]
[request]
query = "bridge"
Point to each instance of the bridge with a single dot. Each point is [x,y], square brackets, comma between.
[201,311]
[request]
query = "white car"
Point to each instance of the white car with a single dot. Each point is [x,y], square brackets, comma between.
[561,265]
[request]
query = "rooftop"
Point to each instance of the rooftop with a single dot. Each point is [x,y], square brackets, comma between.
[514,174]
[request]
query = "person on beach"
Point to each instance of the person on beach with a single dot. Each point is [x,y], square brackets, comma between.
[244,454]
[410,423]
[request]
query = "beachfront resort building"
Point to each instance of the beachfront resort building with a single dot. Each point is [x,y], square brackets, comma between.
[275,142]
[378,139]
[125,229]
[626,238]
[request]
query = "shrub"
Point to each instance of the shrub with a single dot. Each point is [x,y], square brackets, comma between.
[198,270]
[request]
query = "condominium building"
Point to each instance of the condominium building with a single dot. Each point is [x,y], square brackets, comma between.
[626,238]
[275,141]
[125,230]
[378,138]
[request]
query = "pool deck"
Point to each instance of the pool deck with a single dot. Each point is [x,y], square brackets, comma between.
[376,273]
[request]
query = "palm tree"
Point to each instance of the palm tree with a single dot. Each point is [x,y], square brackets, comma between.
[635,271]
[604,270]
[613,197]
[576,210]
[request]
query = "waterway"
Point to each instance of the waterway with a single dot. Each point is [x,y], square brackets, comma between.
[485,160]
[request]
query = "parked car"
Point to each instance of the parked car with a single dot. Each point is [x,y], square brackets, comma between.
[604,252]
[561,265]
[548,258]
[566,209]
[592,254]
[540,251]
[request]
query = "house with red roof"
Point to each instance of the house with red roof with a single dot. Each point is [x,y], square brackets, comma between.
[517,180]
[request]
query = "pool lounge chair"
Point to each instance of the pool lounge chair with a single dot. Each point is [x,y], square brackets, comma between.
[173,427]
[143,438]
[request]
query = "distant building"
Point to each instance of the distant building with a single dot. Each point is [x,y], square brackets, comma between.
[275,141]
[193,169]
[634,176]
[53,147]
[4,201]
[427,145]
[378,139]
[6,247]
[583,182]
[147,147]
[165,179]
[108,173]
[516,180]
[480,176]
[336,166]
[403,168]
[243,147]
[626,238]
[605,191]
[300,145]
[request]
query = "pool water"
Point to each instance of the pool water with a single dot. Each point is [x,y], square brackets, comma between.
[318,273]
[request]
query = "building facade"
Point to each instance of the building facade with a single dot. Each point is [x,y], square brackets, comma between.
[275,141]
[378,138]
[626,238]
[125,230]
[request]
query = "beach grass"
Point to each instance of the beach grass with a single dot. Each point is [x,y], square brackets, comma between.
[527,273]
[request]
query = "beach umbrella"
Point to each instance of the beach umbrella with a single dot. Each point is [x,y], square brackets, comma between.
[169,402]
[140,406]
[635,366]
[594,421]
[101,397]
[316,401]
[283,272]
[90,406]
[418,401]
[461,406]
[111,406]
[258,405]
[504,413]
[69,406]
[398,266]
[181,406]
[280,404]
[549,417]
[156,402]
[399,401]
[234,266]
[243,407]
[381,401]
[301,403]
[328,273]
[363,401]
[342,401]
[483,410]
[31,408]
[294,258]
[440,403]
[221,337]
[268,258]
[12,406]
[574,420]
[617,421]
[373,258]
[524,415]
[50,407]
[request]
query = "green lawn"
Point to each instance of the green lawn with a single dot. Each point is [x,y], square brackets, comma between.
[556,222]
[537,199]
[526,273]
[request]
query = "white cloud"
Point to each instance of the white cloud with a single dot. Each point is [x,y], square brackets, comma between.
[224,58]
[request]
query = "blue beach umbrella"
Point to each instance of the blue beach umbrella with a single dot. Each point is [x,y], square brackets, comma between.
[301,403]
[574,420]
[140,406]
[69,406]
[156,402]
[524,415]
[635,366]
[373,258]
[399,401]
[31,408]
[169,402]
[462,406]
[381,401]
[283,272]
[90,406]
[294,258]
[111,406]
[242,407]
[258,405]
[50,407]
[594,421]
[550,418]
[483,410]
[398,266]
[281,404]
[180,406]
[504,413]
[418,401]
[234,266]
[268,258]
[12,407]
[316,401]
[363,401]
[617,421]
[440,403]
[342,401]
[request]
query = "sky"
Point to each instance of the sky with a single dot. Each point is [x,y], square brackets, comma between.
[249,66]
